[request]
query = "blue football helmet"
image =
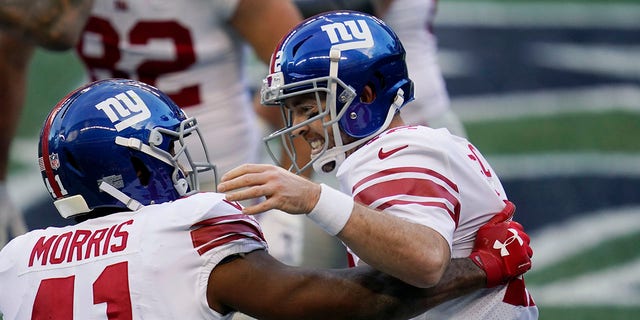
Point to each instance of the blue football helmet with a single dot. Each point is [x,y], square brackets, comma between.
[335,55]
[118,143]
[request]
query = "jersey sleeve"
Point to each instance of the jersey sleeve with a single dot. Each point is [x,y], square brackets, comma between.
[9,299]
[217,230]
[223,230]
[230,234]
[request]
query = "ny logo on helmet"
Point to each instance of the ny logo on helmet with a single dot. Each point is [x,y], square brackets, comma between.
[125,108]
[349,35]
[503,246]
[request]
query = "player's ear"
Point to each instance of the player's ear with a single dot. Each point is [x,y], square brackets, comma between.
[368,95]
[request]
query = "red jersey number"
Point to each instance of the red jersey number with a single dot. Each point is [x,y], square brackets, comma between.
[147,71]
[474,156]
[54,299]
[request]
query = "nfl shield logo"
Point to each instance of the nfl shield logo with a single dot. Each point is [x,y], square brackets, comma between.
[54,161]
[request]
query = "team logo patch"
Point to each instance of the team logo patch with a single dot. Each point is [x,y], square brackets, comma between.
[352,34]
[385,154]
[125,109]
[503,246]
[54,161]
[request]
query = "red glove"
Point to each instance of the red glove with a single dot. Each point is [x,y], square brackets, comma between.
[502,248]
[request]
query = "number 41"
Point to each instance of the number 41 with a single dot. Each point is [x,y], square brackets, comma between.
[54,299]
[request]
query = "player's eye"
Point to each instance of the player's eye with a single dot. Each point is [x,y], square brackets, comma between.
[306,111]
[311,111]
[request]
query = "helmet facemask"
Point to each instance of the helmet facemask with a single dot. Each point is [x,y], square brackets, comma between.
[339,54]
[170,147]
[329,158]
[325,90]
[186,172]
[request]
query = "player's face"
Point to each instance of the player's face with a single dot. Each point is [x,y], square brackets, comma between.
[304,107]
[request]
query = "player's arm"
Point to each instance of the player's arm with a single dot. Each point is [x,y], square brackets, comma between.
[260,286]
[262,24]
[390,244]
[384,241]
[15,55]
[52,24]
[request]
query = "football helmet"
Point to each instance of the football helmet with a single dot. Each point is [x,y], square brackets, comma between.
[335,55]
[118,143]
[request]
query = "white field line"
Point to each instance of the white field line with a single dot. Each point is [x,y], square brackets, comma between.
[561,240]
[538,15]
[615,286]
[566,165]
[547,102]
[610,60]
[612,286]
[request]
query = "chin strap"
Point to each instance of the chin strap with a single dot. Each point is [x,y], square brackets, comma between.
[136,144]
[120,196]
[181,185]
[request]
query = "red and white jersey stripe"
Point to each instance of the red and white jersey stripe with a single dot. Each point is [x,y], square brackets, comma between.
[431,177]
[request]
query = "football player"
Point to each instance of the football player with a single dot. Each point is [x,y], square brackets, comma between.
[412,196]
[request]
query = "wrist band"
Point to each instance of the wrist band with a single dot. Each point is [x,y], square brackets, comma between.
[332,210]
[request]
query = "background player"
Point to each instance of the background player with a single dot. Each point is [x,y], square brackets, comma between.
[413,21]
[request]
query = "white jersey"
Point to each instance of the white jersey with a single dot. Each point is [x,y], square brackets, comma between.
[188,50]
[150,264]
[439,180]
[413,20]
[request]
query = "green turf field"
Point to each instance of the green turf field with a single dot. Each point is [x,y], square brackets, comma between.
[582,132]
[51,76]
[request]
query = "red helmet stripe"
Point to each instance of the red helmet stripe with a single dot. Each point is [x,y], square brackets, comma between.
[274,54]
[44,141]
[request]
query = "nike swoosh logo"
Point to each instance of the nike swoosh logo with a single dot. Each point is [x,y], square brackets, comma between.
[383,155]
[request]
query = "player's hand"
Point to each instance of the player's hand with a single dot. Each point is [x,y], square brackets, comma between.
[280,188]
[502,248]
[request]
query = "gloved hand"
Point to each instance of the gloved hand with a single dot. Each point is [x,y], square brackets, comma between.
[502,248]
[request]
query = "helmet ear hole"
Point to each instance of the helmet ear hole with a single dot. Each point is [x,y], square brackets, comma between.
[381,80]
[141,171]
[71,161]
[368,93]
